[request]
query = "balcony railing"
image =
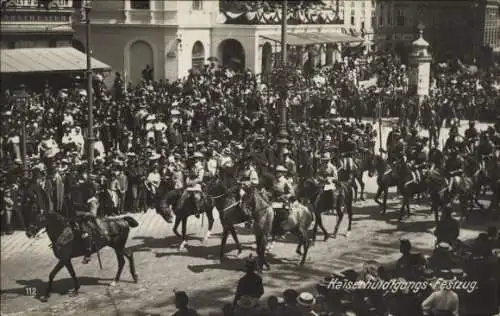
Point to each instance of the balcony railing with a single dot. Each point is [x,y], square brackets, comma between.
[48,4]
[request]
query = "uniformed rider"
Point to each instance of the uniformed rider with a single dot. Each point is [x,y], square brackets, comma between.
[328,174]
[454,168]
[193,183]
[283,188]
[485,150]
[84,203]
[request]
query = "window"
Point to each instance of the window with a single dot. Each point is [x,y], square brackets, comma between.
[381,21]
[352,20]
[198,56]
[140,4]
[401,18]
[197,5]
[362,25]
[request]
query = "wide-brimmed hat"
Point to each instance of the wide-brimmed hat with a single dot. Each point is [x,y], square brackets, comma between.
[306,299]
[444,246]
[281,169]
[198,155]
[247,302]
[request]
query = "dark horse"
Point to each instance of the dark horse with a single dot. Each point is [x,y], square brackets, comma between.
[386,178]
[169,197]
[362,163]
[322,201]
[229,209]
[297,221]
[112,232]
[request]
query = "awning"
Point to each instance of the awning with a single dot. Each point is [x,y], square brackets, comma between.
[298,39]
[60,59]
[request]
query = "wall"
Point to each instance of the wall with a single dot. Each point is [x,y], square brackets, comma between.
[189,37]
[112,44]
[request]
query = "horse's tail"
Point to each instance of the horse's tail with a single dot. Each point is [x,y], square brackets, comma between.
[131,221]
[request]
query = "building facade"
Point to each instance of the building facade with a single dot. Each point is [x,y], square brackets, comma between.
[36,23]
[175,36]
[472,21]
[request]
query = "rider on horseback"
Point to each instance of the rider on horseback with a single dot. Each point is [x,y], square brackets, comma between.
[84,203]
[484,151]
[418,160]
[454,168]
[327,174]
[348,149]
[193,184]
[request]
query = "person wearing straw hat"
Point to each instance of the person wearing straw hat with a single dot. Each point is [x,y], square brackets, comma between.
[250,285]
[306,302]
[193,184]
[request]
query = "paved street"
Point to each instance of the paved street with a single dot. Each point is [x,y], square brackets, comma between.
[25,264]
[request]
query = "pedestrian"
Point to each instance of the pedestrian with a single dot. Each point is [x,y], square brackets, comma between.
[251,283]
[181,303]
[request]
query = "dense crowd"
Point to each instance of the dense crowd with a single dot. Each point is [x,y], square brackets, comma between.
[214,112]
[336,295]
[270,12]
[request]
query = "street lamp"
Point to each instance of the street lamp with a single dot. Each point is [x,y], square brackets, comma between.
[87,6]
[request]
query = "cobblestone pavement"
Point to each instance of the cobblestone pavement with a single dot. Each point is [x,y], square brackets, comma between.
[25,264]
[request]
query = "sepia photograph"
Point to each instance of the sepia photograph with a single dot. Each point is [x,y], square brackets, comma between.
[250,158]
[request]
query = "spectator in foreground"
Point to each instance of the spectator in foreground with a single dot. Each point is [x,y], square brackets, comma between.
[306,302]
[443,302]
[181,303]
[251,283]
[247,306]
[291,309]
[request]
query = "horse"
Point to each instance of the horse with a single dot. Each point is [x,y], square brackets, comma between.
[410,186]
[321,202]
[438,188]
[172,198]
[387,177]
[297,221]
[361,164]
[230,212]
[112,232]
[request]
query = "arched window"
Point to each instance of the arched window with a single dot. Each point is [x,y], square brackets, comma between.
[197,4]
[198,56]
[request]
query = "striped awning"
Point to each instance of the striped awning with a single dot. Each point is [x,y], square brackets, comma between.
[299,39]
[33,60]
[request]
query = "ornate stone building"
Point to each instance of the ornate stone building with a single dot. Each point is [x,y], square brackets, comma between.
[176,36]
[36,23]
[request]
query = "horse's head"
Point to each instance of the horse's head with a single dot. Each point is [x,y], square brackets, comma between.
[34,220]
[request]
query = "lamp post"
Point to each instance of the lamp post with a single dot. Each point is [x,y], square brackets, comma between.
[21,102]
[283,134]
[87,6]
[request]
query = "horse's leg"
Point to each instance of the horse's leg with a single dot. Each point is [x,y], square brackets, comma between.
[362,185]
[378,194]
[210,217]
[71,270]
[319,220]
[405,201]
[305,242]
[178,220]
[223,242]
[236,240]
[184,237]
[315,227]
[264,246]
[384,203]
[348,209]
[355,188]
[259,246]
[52,275]
[130,257]
[121,263]
[340,215]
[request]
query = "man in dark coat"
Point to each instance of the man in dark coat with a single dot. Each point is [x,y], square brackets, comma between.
[251,283]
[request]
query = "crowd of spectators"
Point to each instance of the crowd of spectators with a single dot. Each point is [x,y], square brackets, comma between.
[157,121]
[270,12]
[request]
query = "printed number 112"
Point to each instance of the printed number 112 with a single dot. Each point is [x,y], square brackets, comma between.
[31,291]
